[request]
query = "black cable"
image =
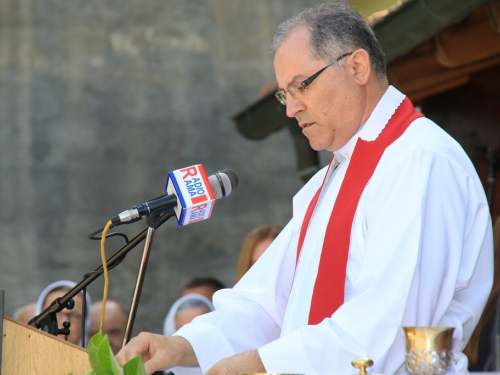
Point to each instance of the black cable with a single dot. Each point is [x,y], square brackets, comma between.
[92,236]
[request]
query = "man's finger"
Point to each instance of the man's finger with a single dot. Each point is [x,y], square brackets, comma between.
[137,346]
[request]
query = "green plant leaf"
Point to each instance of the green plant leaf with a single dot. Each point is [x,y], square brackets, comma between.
[106,359]
[96,339]
[135,367]
[103,361]
[94,343]
[92,349]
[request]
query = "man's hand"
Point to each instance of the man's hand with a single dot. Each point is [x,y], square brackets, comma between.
[158,352]
[246,362]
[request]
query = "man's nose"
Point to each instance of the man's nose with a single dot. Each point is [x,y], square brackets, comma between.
[293,106]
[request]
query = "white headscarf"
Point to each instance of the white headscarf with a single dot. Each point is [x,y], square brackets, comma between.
[58,284]
[169,327]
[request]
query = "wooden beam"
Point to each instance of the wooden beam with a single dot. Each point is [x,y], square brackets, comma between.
[447,60]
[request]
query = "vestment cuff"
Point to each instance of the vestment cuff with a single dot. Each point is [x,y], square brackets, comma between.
[209,344]
[286,355]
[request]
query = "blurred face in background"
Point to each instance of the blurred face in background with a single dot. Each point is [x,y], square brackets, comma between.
[187,315]
[254,245]
[115,323]
[25,313]
[259,248]
[73,316]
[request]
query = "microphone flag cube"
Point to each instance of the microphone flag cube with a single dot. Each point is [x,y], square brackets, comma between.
[195,197]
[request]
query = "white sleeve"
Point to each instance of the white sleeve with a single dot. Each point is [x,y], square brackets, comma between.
[421,254]
[249,315]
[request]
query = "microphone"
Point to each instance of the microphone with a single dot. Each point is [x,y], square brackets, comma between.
[189,192]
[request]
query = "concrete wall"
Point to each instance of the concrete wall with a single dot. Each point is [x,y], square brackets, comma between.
[98,101]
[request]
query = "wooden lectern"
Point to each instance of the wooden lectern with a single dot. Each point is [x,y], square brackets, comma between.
[27,350]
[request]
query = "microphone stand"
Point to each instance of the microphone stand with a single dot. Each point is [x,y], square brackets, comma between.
[47,320]
[153,221]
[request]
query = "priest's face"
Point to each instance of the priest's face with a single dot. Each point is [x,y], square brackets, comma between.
[330,110]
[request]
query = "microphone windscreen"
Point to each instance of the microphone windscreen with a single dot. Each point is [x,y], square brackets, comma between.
[223,182]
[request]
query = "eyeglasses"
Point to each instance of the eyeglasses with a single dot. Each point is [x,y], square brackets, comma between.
[296,89]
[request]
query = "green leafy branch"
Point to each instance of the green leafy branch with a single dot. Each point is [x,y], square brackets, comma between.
[103,361]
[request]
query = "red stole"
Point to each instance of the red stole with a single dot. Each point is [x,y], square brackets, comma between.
[328,294]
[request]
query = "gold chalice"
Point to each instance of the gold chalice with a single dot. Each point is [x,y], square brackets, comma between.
[428,349]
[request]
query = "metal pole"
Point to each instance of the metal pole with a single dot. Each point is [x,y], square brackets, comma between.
[138,286]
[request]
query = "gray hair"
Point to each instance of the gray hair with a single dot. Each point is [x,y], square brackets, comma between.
[334,29]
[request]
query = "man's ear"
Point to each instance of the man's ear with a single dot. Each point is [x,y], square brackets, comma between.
[360,66]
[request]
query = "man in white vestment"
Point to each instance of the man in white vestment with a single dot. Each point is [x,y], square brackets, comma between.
[395,232]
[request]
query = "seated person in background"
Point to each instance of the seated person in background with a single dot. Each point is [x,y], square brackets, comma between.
[205,286]
[254,245]
[479,349]
[25,313]
[115,323]
[74,316]
[184,310]
[188,307]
